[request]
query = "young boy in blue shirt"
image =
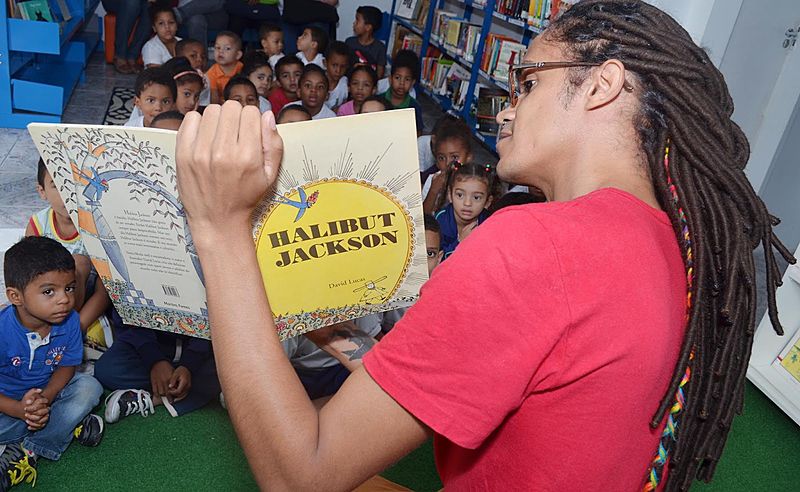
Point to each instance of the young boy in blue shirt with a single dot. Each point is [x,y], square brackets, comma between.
[43,401]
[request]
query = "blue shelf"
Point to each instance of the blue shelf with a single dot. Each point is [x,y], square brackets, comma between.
[497,82]
[41,37]
[411,27]
[514,21]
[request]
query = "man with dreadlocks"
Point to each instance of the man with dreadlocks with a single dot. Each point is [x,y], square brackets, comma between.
[600,341]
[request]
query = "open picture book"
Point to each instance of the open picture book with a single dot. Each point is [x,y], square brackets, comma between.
[340,236]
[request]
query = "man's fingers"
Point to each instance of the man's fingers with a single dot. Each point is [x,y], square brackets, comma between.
[272,144]
[201,146]
[187,135]
[227,134]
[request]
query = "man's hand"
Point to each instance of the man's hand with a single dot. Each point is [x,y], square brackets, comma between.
[180,383]
[160,375]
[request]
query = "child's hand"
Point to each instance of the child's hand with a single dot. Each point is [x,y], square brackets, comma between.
[160,374]
[180,383]
[34,409]
[467,230]
[438,181]
[227,160]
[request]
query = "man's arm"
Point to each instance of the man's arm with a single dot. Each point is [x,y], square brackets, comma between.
[222,174]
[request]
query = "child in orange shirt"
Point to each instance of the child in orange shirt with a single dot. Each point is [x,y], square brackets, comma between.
[227,52]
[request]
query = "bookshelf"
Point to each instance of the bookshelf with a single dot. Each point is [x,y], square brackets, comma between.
[42,62]
[486,16]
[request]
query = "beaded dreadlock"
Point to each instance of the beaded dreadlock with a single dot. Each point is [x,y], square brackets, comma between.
[696,156]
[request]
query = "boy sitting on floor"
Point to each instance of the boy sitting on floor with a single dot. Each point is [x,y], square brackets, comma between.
[405,73]
[44,403]
[367,49]
[313,91]
[156,93]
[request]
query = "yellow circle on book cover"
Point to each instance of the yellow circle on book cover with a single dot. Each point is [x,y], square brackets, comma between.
[331,244]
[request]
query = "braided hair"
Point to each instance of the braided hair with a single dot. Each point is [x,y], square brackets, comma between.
[695,157]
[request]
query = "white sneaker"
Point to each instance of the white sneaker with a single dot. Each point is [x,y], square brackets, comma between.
[121,403]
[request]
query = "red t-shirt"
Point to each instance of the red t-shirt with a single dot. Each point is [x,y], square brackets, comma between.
[278,99]
[540,350]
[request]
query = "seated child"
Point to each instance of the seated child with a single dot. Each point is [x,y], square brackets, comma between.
[227,52]
[373,104]
[258,70]
[288,71]
[188,82]
[451,143]
[337,62]
[292,114]
[161,47]
[155,93]
[426,144]
[368,50]
[242,90]
[361,86]
[433,242]
[271,37]
[44,403]
[311,44]
[313,91]
[171,120]
[197,54]
[147,368]
[470,188]
[405,73]
[91,298]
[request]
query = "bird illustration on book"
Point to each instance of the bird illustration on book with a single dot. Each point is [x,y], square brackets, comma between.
[302,205]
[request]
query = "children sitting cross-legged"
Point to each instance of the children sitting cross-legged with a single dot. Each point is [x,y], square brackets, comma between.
[155,93]
[161,47]
[188,82]
[288,71]
[405,73]
[271,37]
[258,70]
[374,104]
[311,44]
[368,50]
[337,63]
[44,403]
[147,368]
[361,85]
[471,188]
[242,90]
[451,143]
[227,53]
[171,120]
[313,91]
[292,114]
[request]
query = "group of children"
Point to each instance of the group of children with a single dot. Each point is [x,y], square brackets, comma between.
[58,307]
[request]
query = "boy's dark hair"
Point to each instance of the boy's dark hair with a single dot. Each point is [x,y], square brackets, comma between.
[514,198]
[292,107]
[159,7]
[452,129]
[372,16]
[431,224]
[287,60]
[32,256]
[155,75]
[320,37]
[185,43]
[406,59]
[313,68]
[182,72]
[237,80]
[386,104]
[367,70]
[237,41]
[268,27]
[167,115]
[253,60]
[41,172]
[339,48]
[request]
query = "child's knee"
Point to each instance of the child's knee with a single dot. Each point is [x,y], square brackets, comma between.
[88,389]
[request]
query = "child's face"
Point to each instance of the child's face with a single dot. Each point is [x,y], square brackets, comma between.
[336,66]
[49,193]
[244,94]
[165,26]
[188,96]
[469,197]
[361,87]
[372,107]
[434,249]
[402,80]
[226,53]
[272,43]
[173,125]
[290,116]
[359,26]
[450,150]
[196,55]
[313,91]
[47,300]
[289,78]
[304,41]
[154,100]
[262,79]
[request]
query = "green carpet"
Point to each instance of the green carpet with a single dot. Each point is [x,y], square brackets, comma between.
[199,452]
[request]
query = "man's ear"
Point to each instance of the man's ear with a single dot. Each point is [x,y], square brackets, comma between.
[606,83]
[14,296]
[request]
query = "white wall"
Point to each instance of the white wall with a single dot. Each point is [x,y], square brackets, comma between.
[347,14]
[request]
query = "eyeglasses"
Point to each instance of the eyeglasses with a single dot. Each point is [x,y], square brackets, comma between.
[518,87]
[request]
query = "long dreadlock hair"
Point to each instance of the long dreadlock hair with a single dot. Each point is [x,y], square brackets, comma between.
[696,157]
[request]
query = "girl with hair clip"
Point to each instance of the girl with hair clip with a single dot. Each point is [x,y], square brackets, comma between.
[470,188]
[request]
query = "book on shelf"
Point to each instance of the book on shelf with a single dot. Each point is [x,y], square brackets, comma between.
[64,11]
[542,12]
[35,10]
[404,39]
[457,83]
[340,235]
[422,14]
[409,9]
[509,53]
[490,101]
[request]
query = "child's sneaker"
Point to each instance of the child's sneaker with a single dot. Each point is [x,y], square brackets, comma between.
[89,431]
[16,466]
[121,403]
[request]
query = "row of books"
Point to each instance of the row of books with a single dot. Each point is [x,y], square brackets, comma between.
[500,52]
[416,11]
[404,39]
[39,10]
[444,77]
[536,13]
[456,33]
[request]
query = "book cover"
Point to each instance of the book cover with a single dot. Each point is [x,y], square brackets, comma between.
[340,236]
[36,10]
[409,9]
